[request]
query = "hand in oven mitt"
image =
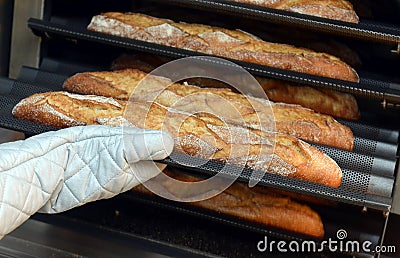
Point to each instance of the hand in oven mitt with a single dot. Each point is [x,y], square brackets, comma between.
[56,171]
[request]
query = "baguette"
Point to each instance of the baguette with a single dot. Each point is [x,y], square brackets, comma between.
[333,103]
[294,120]
[310,40]
[232,44]
[266,207]
[331,9]
[201,136]
[337,104]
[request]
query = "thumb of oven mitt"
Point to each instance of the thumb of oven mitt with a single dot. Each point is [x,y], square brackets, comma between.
[56,171]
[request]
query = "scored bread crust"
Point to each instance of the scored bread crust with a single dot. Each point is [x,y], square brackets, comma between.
[258,204]
[294,120]
[325,101]
[202,136]
[332,9]
[217,41]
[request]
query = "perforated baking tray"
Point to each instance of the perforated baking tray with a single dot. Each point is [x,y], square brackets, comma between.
[330,225]
[367,180]
[368,88]
[366,30]
[211,234]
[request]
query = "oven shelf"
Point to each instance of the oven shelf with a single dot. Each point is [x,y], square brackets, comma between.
[367,87]
[131,217]
[365,30]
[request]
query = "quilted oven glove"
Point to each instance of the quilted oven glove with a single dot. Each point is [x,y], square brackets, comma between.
[56,171]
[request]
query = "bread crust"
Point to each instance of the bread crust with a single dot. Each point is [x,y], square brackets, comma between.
[232,44]
[324,101]
[196,135]
[263,207]
[294,120]
[331,9]
[64,109]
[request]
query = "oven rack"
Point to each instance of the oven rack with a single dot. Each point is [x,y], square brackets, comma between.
[367,179]
[134,215]
[331,225]
[365,29]
[369,88]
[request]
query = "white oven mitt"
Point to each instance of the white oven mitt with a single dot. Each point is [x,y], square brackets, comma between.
[56,171]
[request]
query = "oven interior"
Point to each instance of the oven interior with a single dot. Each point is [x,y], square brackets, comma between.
[362,206]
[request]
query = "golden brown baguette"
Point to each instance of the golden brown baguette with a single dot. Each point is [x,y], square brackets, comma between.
[62,109]
[332,9]
[266,207]
[324,101]
[232,44]
[294,120]
[333,103]
[202,136]
[310,40]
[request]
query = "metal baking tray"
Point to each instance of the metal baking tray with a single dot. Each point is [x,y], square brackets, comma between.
[368,173]
[365,30]
[182,226]
[75,30]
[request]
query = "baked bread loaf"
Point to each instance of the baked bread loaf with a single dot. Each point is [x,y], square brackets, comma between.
[310,40]
[337,104]
[331,9]
[264,207]
[233,44]
[294,120]
[199,135]
[333,103]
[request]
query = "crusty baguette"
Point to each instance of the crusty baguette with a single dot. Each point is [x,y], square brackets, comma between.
[332,9]
[310,40]
[62,109]
[264,207]
[294,120]
[324,101]
[333,103]
[232,44]
[202,136]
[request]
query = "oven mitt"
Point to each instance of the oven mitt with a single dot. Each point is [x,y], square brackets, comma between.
[56,171]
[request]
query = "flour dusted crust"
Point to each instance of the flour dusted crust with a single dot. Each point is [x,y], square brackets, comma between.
[258,204]
[62,109]
[294,120]
[195,135]
[332,9]
[232,44]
